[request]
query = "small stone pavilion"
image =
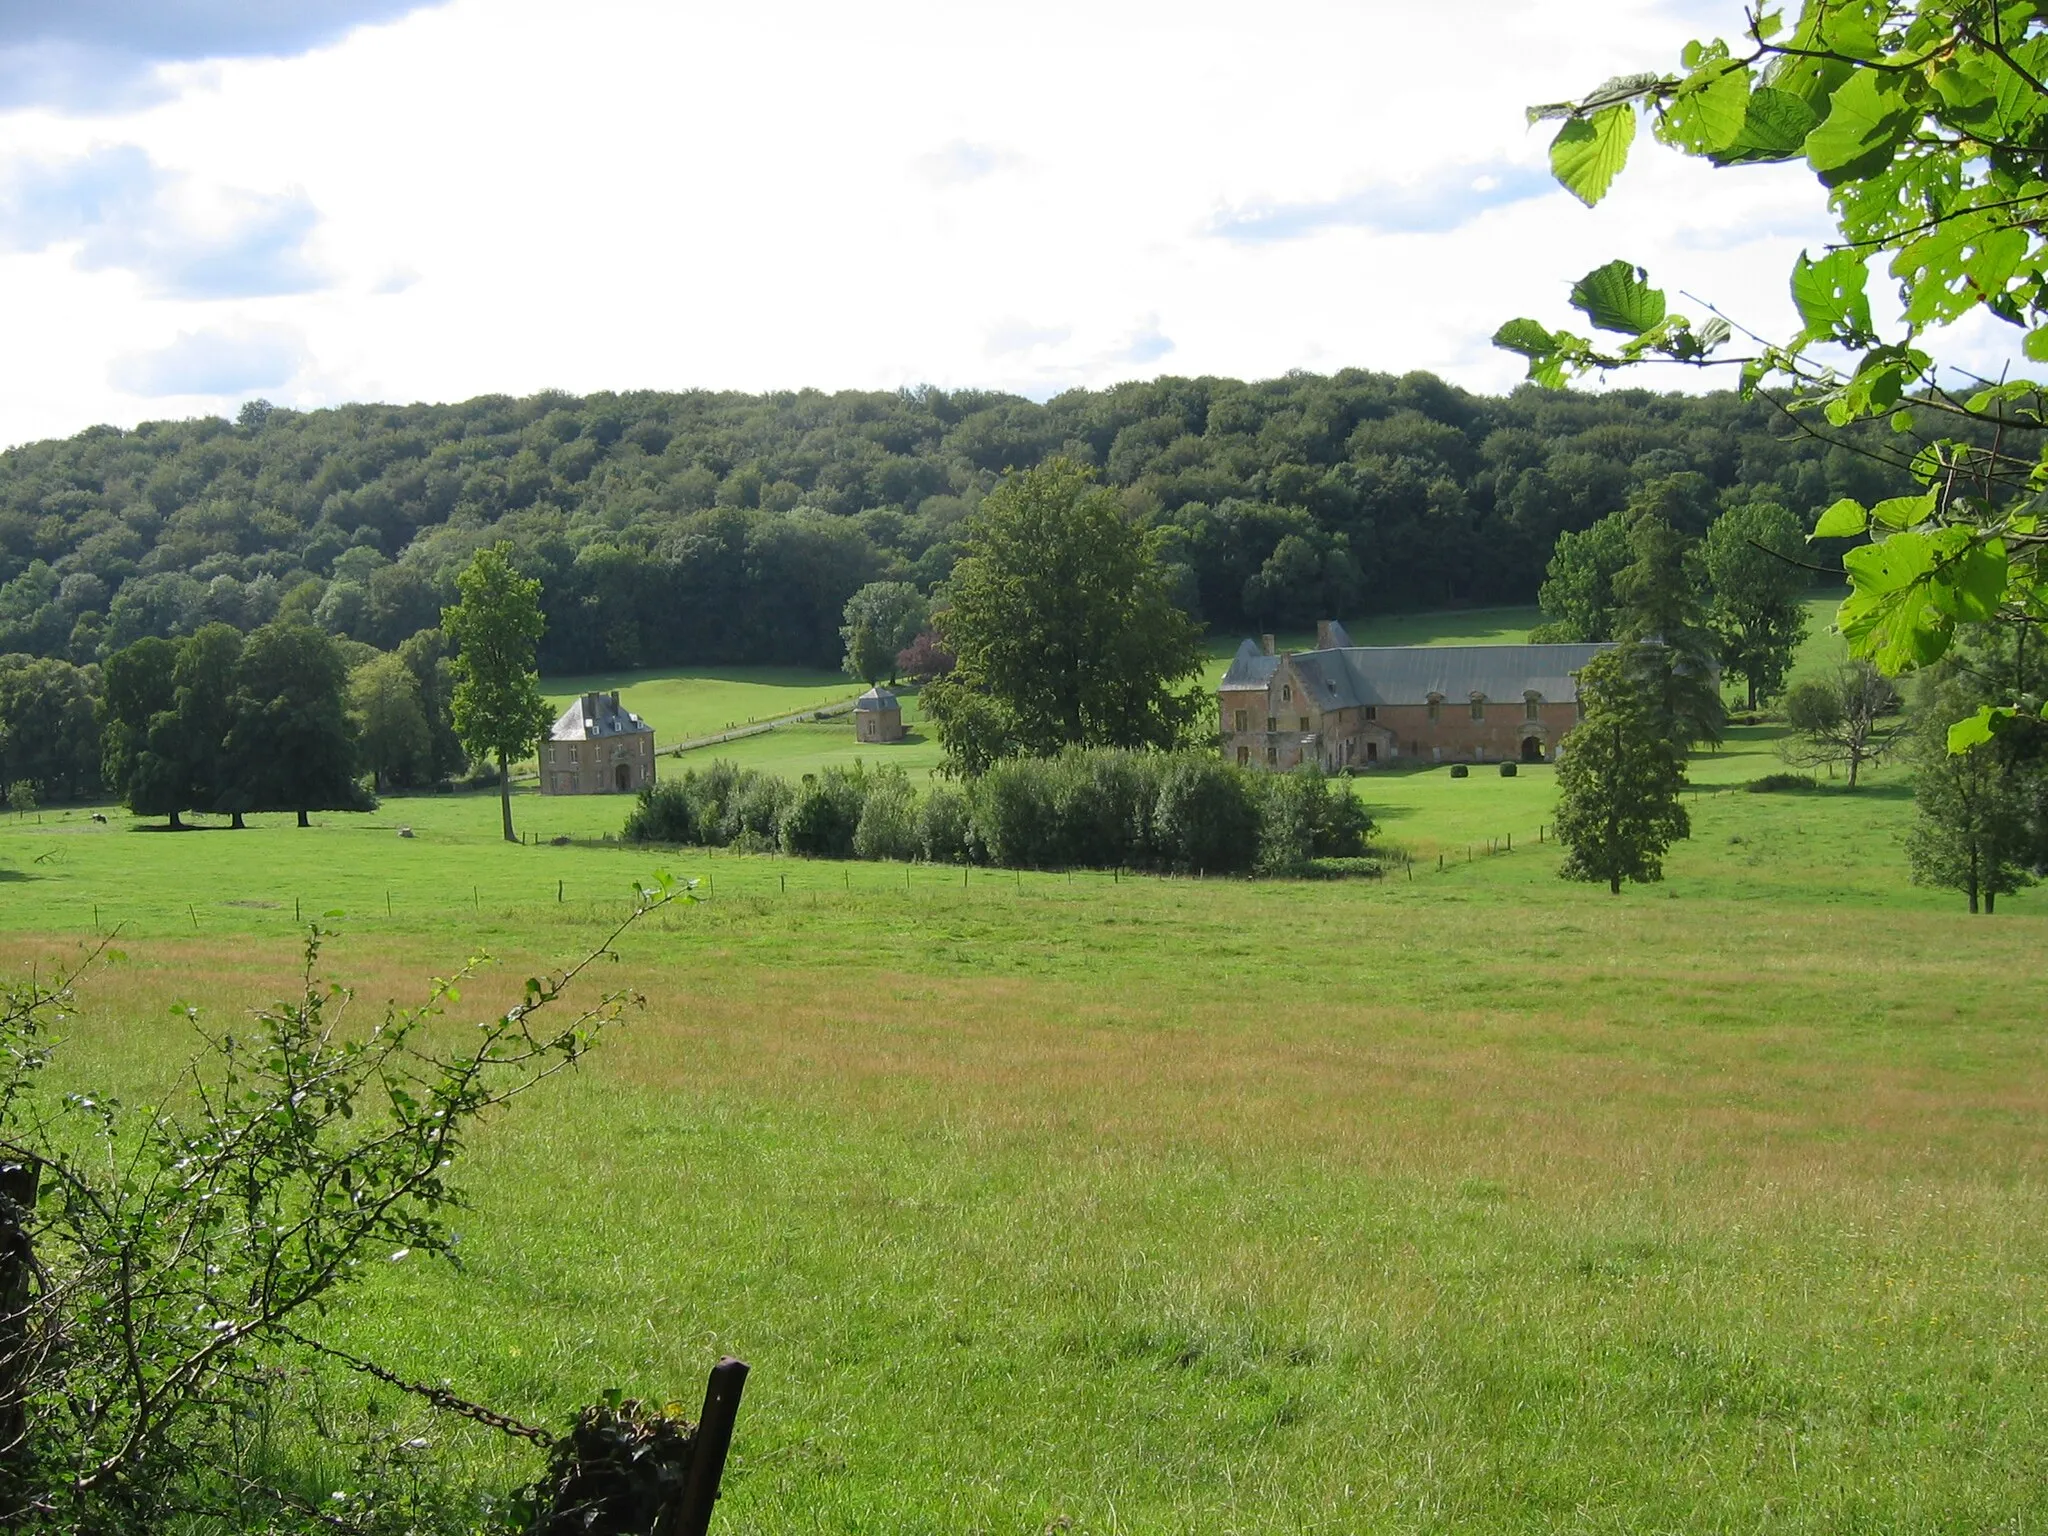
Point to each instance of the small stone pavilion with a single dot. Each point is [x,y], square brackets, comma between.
[877,716]
[597,747]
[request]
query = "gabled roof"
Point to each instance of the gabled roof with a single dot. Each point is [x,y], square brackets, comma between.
[1250,668]
[596,715]
[1410,674]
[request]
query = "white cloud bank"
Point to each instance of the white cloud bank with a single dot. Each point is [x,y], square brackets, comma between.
[507,195]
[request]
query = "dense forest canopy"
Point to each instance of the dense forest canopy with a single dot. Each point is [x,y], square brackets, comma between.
[704,527]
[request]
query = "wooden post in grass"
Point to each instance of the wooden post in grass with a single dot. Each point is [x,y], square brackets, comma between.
[713,1442]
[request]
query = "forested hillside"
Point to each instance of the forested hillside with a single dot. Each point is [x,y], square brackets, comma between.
[703,527]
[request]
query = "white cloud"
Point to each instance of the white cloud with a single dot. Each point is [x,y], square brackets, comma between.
[514,194]
[227,360]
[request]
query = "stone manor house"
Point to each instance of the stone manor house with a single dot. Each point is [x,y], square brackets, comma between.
[1348,707]
[597,747]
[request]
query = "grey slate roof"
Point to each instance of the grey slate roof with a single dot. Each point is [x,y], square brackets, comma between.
[596,715]
[1250,668]
[876,698]
[1409,674]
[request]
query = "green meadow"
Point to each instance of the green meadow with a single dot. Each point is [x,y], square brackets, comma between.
[1462,1200]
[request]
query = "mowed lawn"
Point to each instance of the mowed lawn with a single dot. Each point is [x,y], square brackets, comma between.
[1467,1200]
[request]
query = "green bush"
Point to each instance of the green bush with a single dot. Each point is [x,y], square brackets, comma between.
[888,818]
[664,814]
[1206,817]
[945,826]
[821,818]
[1460,771]
[1781,783]
[1507,769]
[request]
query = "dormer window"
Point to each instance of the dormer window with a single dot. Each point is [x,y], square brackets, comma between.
[1478,706]
[1436,707]
[1532,706]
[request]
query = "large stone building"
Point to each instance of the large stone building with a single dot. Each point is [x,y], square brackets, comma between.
[1346,706]
[597,747]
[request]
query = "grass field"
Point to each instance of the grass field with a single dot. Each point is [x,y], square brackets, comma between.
[1475,1202]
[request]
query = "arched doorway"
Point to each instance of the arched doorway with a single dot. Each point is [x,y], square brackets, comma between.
[622,776]
[1532,750]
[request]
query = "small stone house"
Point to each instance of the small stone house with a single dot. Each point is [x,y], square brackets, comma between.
[1348,707]
[597,747]
[877,716]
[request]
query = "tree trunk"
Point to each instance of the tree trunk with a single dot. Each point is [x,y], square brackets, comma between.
[1614,884]
[238,825]
[1752,694]
[505,798]
[302,820]
[1990,902]
[176,825]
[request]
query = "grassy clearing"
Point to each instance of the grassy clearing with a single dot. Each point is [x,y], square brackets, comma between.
[1480,1202]
[683,703]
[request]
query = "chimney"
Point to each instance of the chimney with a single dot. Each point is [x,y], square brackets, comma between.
[1323,638]
[1265,645]
[589,710]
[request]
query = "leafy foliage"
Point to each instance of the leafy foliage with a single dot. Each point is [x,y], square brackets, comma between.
[1924,119]
[498,709]
[1063,628]
[180,1251]
[1844,720]
[1619,779]
[883,620]
[1751,559]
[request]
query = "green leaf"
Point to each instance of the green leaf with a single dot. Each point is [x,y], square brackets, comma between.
[1709,108]
[1866,119]
[1546,351]
[1774,127]
[1976,730]
[1589,152]
[1844,520]
[2036,344]
[1903,511]
[1830,296]
[1970,587]
[1615,298]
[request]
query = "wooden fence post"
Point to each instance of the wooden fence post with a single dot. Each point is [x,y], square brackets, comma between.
[713,1442]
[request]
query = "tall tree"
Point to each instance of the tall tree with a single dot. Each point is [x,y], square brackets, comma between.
[1842,720]
[392,737]
[426,655]
[1619,779]
[1577,596]
[1753,559]
[48,731]
[498,710]
[882,619]
[1972,834]
[1923,119]
[202,699]
[290,747]
[141,760]
[1063,627]
[1658,608]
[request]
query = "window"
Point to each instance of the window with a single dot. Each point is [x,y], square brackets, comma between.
[1272,756]
[572,755]
[1479,709]
[1436,710]
[1272,724]
[1372,712]
[1244,756]
[1304,725]
[1241,721]
[1286,693]
[1532,706]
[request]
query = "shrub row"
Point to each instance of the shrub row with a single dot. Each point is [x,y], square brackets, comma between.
[1096,809]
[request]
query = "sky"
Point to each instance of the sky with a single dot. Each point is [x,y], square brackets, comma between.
[318,201]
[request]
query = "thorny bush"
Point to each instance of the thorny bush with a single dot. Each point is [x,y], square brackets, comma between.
[167,1261]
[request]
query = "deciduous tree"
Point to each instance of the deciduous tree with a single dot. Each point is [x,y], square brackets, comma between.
[1753,556]
[1063,628]
[1619,779]
[882,619]
[1843,720]
[498,710]
[290,747]
[140,761]
[392,738]
[1972,834]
